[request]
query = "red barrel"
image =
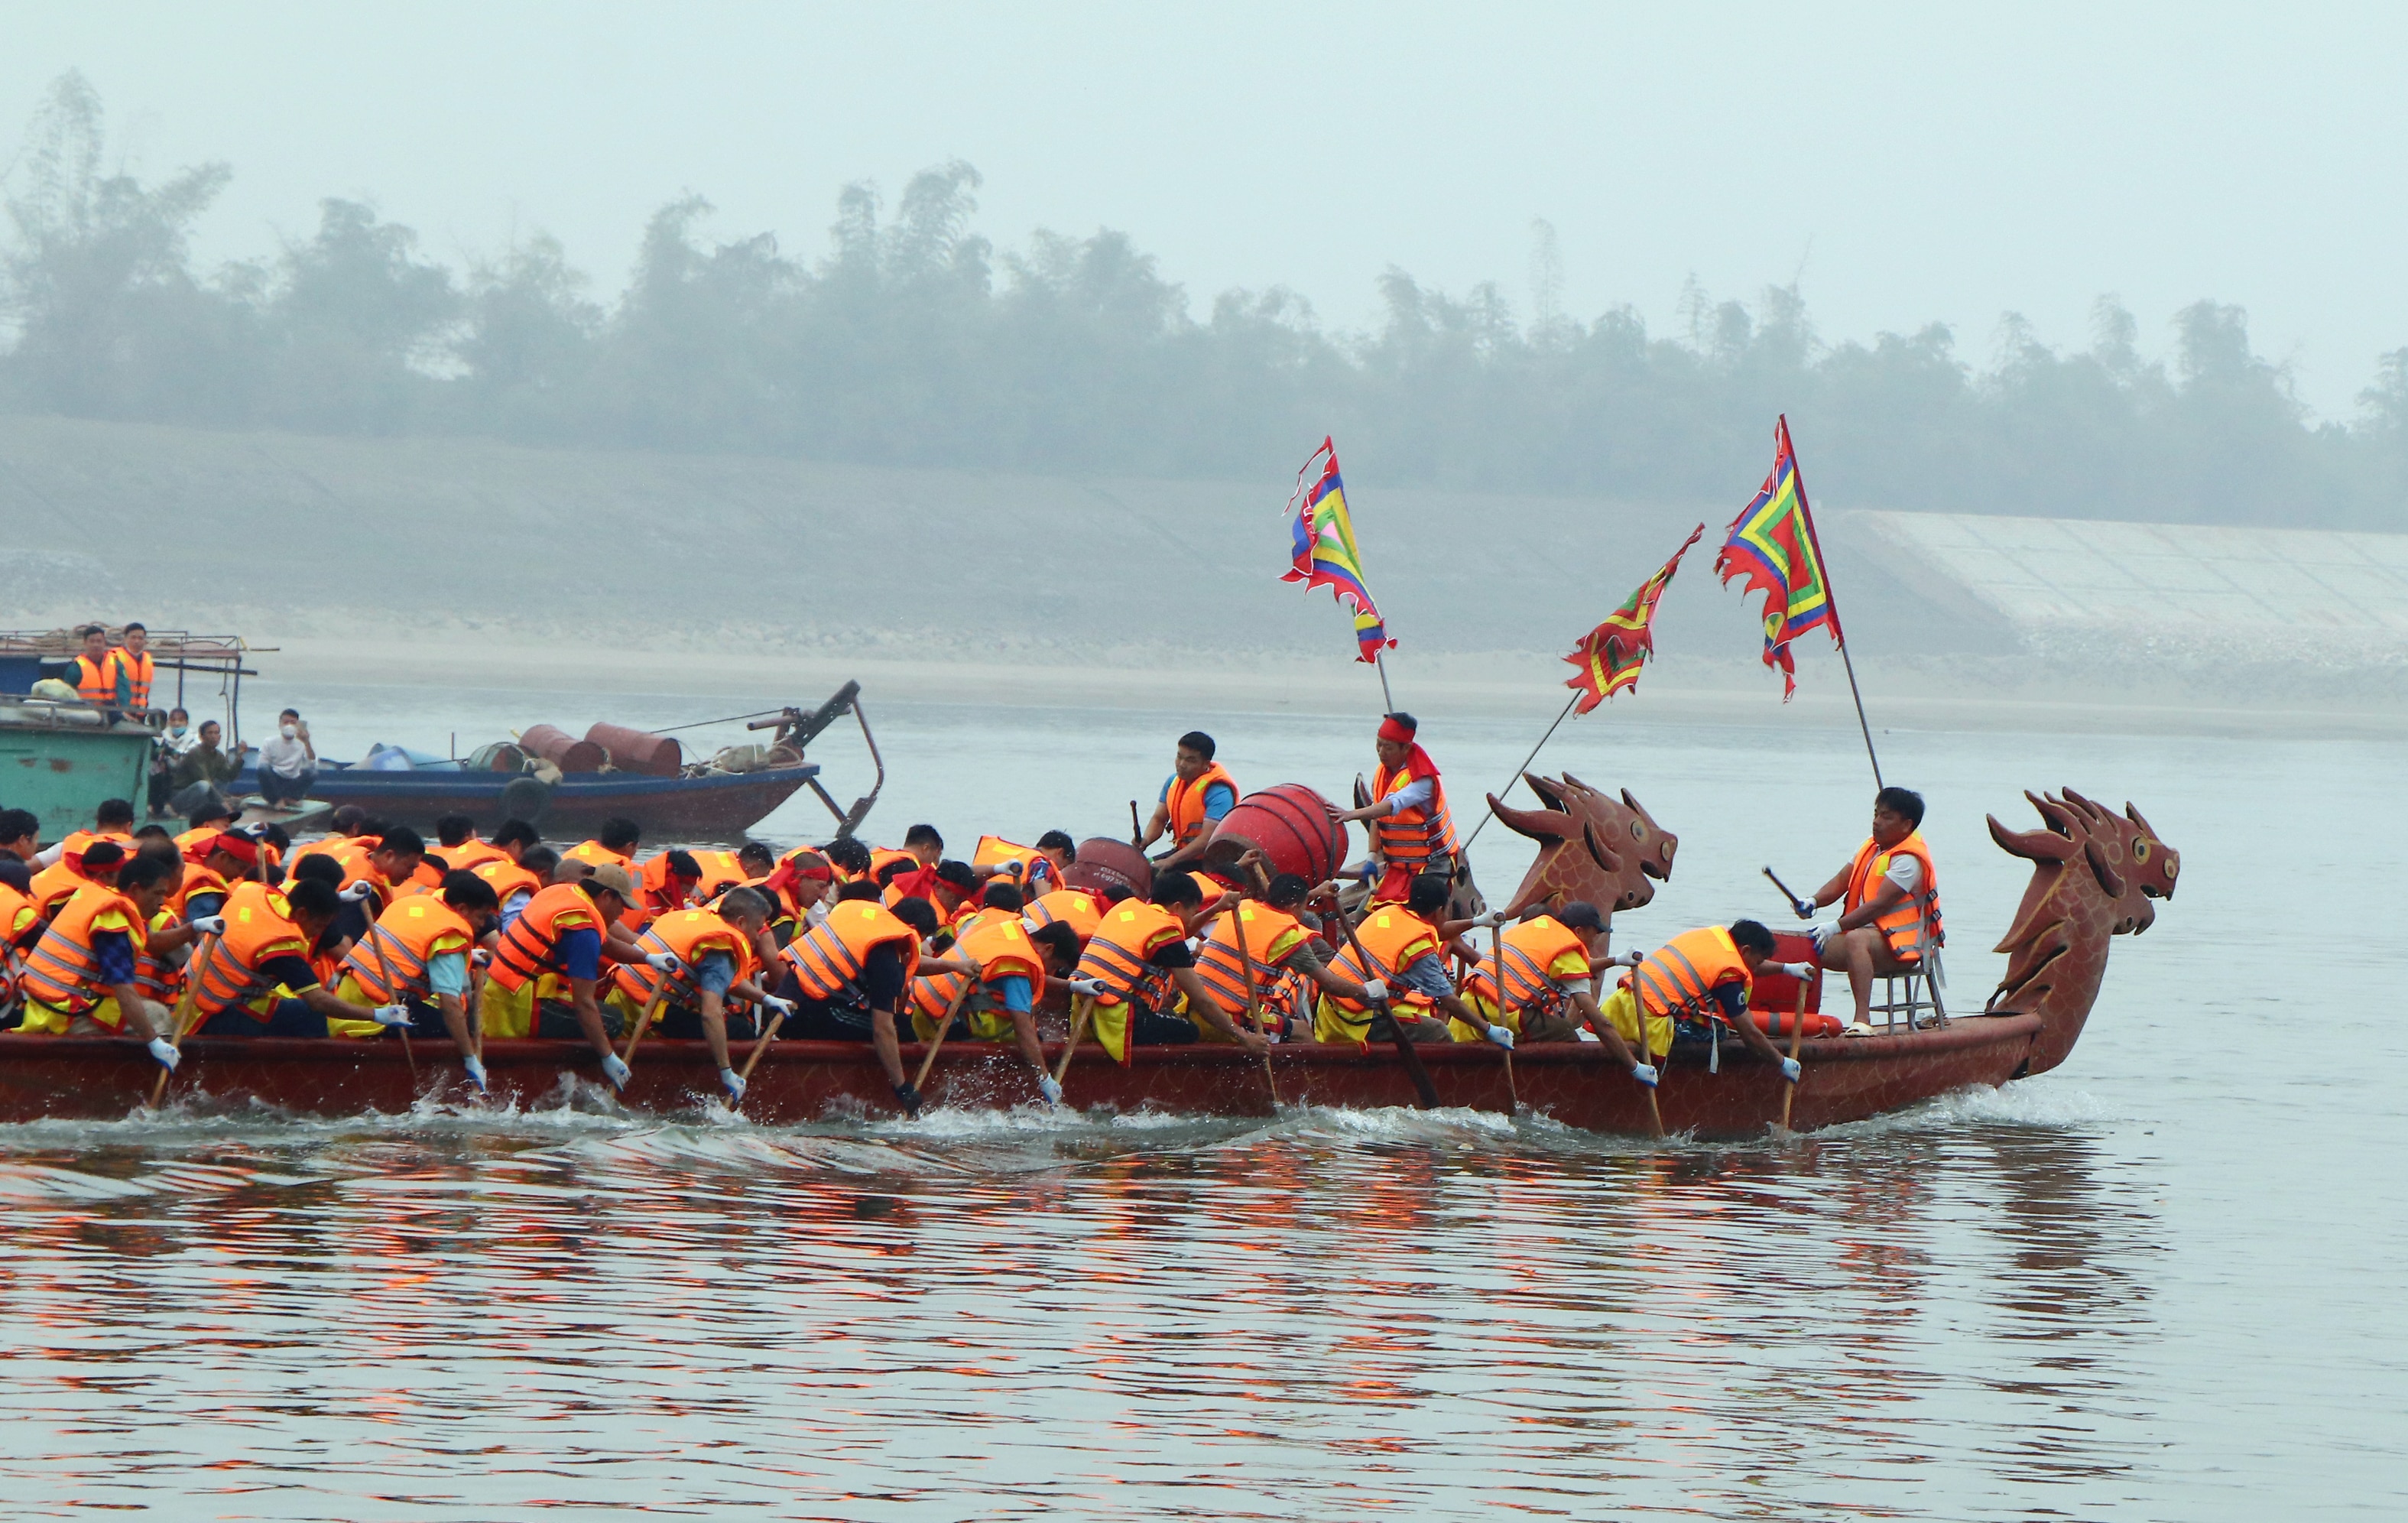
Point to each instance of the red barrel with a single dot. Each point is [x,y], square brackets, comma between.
[1104,862]
[562,749]
[1291,824]
[638,750]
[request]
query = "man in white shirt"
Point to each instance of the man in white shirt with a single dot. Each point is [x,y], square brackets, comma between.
[288,764]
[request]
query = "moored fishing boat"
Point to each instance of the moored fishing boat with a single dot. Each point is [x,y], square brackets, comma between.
[2096,875]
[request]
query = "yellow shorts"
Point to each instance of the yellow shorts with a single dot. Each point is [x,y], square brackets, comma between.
[506,1012]
[1623,1010]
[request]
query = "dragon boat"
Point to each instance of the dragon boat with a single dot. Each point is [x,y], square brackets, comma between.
[2095,874]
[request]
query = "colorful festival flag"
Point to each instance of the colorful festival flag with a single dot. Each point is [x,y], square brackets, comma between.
[1772,544]
[1611,656]
[1324,552]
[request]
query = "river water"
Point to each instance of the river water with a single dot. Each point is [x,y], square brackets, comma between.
[2159,1283]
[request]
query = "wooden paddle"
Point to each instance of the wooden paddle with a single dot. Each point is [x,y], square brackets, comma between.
[1137,827]
[1639,1013]
[1083,1010]
[644,1021]
[760,1046]
[1425,1092]
[944,1028]
[1497,950]
[182,1021]
[1253,1006]
[1797,1036]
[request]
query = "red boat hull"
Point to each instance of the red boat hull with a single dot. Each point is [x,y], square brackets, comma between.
[1575,1082]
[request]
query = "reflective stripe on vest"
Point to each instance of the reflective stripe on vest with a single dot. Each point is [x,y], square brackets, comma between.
[138,671]
[1680,977]
[1913,924]
[96,682]
[1073,906]
[1128,934]
[689,936]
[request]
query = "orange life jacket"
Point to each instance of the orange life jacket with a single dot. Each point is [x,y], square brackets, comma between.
[1128,933]
[1393,939]
[18,914]
[1912,923]
[1529,950]
[1410,838]
[829,957]
[60,970]
[258,926]
[525,950]
[193,839]
[390,962]
[1185,802]
[1680,977]
[507,878]
[1037,874]
[1001,950]
[472,854]
[155,973]
[1073,906]
[1224,972]
[595,853]
[96,682]
[721,872]
[138,671]
[56,884]
[691,934]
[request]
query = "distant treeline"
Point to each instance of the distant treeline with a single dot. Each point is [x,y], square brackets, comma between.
[914,340]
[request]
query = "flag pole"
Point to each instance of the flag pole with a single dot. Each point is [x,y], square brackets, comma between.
[1381,661]
[1524,768]
[1831,594]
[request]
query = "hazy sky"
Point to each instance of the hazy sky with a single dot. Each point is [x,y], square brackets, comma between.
[1904,163]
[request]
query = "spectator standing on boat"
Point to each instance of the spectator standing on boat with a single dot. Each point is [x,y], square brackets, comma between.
[21,832]
[205,762]
[1889,904]
[1198,792]
[615,845]
[1407,818]
[288,764]
[135,668]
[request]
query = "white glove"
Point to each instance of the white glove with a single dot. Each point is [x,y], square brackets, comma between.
[1492,919]
[1051,1090]
[355,893]
[1644,1073]
[1626,959]
[1375,989]
[1009,869]
[1502,1035]
[665,962]
[614,1070]
[389,1015]
[778,1006]
[733,1082]
[476,1071]
[1790,1070]
[164,1054]
[210,925]
[1823,933]
[1801,971]
[1804,908]
[478,958]
[1084,985]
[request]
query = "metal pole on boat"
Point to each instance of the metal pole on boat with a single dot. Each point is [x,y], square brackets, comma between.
[1381,663]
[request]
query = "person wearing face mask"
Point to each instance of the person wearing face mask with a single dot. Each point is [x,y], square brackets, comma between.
[288,765]
[175,738]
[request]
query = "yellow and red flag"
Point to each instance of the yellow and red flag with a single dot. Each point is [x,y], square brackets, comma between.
[1322,553]
[1772,544]
[1609,656]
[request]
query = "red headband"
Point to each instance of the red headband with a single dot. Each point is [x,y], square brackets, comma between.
[1390,729]
[241,848]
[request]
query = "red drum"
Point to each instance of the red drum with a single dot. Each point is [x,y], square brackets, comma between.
[1104,862]
[638,750]
[1291,824]
[562,749]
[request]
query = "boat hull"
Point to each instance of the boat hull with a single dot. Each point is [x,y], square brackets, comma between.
[1574,1083]
[64,772]
[720,808]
